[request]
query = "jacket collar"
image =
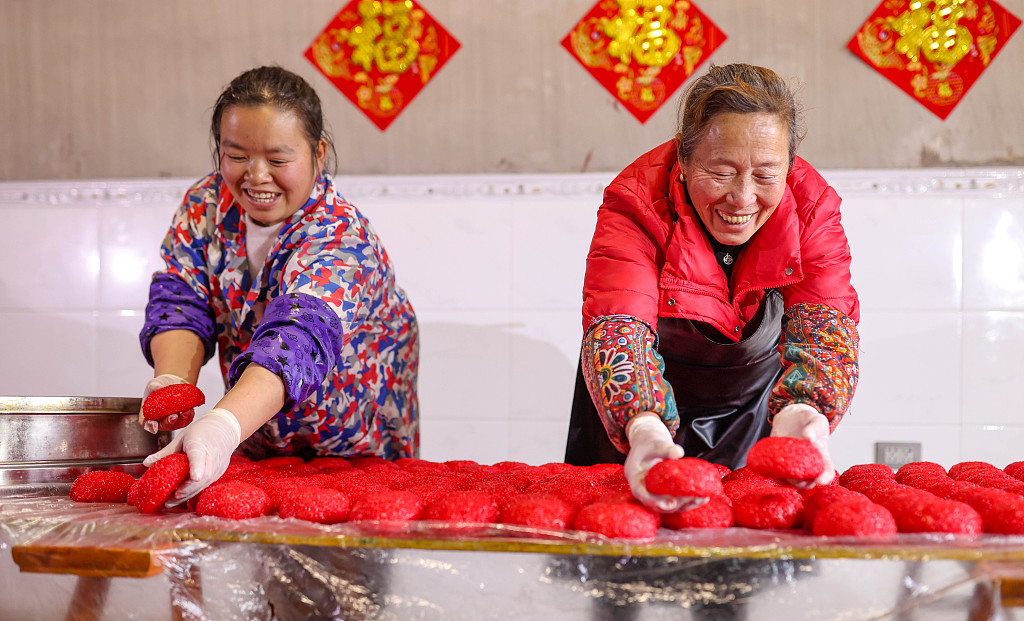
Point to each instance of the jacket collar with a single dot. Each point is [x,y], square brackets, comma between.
[241,292]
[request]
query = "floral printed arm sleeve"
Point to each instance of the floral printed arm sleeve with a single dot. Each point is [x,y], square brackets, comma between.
[819,361]
[625,376]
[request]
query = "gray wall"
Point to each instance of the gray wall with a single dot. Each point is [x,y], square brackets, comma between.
[117,89]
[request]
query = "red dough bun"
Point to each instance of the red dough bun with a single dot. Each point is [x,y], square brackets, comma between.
[779,457]
[715,513]
[1015,470]
[353,482]
[314,504]
[281,460]
[918,511]
[277,489]
[822,497]
[918,469]
[1001,512]
[180,399]
[430,487]
[739,486]
[614,496]
[397,506]
[323,463]
[416,463]
[539,511]
[947,488]
[779,508]
[623,520]
[233,500]
[872,487]
[157,484]
[722,470]
[965,469]
[856,518]
[570,488]
[866,471]
[503,488]
[983,474]
[102,486]
[688,476]
[133,494]
[463,506]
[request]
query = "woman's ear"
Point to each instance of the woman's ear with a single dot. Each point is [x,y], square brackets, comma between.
[321,154]
[683,164]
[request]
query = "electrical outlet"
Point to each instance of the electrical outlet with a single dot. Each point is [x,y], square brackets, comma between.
[896,454]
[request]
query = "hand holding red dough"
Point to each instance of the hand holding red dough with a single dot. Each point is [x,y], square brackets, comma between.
[173,406]
[783,458]
[801,421]
[155,486]
[649,443]
[688,477]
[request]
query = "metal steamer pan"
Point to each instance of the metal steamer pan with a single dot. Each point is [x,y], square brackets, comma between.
[46,442]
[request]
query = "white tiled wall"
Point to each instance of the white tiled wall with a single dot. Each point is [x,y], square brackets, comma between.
[494,267]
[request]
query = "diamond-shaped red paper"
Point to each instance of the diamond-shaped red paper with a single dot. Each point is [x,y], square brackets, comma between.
[934,50]
[641,52]
[380,54]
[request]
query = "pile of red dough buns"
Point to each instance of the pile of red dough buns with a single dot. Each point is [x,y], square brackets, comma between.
[868,500]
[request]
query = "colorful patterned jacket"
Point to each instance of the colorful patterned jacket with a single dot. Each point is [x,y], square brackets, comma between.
[650,258]
[324,314]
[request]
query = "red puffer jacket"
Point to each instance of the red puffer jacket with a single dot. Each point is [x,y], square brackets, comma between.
[650,257]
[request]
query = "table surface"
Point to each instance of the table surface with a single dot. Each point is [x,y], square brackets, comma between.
[56,523]
[53,535]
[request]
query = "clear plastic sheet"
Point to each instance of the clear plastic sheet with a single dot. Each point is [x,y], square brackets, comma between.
[64,560]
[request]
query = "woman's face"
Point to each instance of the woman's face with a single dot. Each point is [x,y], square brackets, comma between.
[265,160]
[737,175]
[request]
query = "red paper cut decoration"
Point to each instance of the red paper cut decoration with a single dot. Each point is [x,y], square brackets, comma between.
[642,50]
[380,54]
[934,50]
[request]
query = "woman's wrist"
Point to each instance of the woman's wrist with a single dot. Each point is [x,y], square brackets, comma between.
[641,419]
[255,398]
[178,353]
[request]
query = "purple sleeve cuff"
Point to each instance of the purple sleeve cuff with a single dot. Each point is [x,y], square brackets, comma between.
[173,305]
[299,339]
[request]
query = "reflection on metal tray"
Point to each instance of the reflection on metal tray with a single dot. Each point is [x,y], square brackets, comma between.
[45,442]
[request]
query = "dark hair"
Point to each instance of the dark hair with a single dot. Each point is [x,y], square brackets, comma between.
[284,90]
[739,88]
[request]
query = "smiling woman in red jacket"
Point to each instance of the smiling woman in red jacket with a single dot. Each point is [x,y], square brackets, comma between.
[717,304]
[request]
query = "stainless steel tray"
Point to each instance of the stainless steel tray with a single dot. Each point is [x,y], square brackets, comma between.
[45,442]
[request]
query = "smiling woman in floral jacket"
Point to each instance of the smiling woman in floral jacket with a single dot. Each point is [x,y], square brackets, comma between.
[267,263]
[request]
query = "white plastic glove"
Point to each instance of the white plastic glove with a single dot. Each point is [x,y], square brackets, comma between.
[649,443]
[208,442]
[800,420]
[160,381]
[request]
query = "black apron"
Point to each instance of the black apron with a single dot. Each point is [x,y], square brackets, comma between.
[721,391]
